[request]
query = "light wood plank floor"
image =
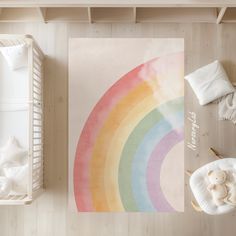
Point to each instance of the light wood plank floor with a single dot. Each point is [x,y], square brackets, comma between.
[49,216]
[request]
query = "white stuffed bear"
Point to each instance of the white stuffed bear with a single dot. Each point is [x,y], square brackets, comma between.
[231,186]
[222,189]
[217,186]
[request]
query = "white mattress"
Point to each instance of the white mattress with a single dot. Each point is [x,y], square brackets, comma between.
[14,95]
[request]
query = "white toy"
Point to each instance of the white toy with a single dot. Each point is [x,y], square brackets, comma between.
[217,186]
[231,186]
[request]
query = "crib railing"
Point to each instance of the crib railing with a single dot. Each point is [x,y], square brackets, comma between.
[37,122]
[35,107]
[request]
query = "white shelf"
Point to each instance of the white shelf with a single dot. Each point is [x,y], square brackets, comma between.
[67,14]
[208,15]
[112,14]
[99,14]
[118,3]
[19,15]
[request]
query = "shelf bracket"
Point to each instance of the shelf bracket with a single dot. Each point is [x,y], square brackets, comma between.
[135,14]
[42,13]
[90,15]
[221,15]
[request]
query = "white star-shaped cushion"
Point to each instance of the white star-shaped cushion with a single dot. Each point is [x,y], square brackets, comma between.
[12,153]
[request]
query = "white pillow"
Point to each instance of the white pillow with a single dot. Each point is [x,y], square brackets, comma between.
[16,56]
[19,175]
[210,82]
[5,186]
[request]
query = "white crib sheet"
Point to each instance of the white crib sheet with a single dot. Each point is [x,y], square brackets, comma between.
[14,95]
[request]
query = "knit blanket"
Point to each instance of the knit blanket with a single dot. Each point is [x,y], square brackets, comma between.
[227,107]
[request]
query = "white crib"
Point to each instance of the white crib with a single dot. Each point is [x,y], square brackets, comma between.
[33,127]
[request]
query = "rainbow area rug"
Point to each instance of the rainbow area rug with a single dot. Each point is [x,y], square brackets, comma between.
[126,125]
